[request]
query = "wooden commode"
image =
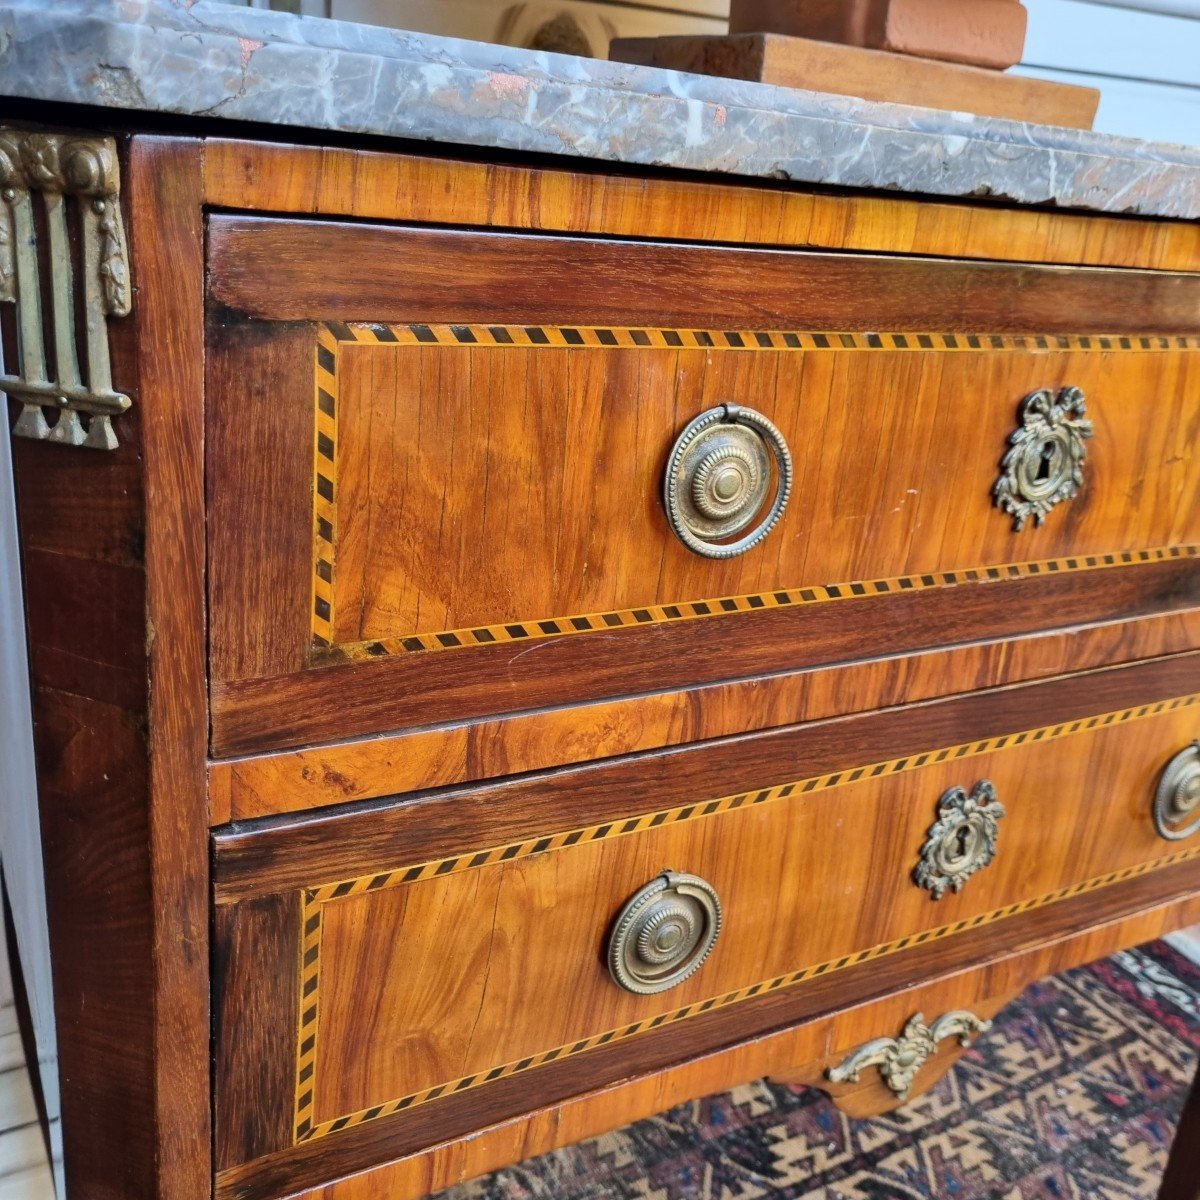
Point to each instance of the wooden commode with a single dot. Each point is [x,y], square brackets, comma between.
[517,645]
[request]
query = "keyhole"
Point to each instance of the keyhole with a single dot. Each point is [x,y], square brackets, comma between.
[1044,459]
[962,837]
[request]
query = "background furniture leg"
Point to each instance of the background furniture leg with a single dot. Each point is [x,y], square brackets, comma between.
[1182,1178]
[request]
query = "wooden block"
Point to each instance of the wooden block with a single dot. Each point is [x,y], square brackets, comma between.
[870,74]
[983,33]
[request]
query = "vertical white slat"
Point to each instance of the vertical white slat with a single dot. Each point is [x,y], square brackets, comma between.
[6,985]
[20,836]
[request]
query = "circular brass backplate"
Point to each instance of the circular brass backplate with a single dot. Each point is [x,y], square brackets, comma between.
[1177,799]
[718,482]
[664,933]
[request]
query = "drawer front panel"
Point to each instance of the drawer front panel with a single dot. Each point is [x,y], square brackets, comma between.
[514,492]
[422,980]
[387,491]
[812,872]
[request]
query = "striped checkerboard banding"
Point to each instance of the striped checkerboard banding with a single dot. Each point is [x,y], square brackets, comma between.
[333,335]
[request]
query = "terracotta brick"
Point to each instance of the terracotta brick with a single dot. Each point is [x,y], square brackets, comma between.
[985,33]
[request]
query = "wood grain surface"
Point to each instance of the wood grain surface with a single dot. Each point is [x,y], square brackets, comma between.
[113,559]
[490,486]
[452,967]
[290,852]
[392,693]
[406,1156]
[825,66]
[167,219]
[533,494]
[174,1059]
[280,178]
[294,781]
[285,856]
[280,269]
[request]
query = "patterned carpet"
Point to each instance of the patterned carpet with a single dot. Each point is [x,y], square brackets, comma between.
[1074,1095]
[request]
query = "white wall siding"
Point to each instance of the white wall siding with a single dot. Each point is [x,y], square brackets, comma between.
[1133,108]
[1143,55]
[20,834]
[1121,43]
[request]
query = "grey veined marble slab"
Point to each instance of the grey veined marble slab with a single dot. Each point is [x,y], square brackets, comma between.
[214,60]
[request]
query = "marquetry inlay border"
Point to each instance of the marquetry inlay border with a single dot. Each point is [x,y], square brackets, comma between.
[333,335]
[314,900]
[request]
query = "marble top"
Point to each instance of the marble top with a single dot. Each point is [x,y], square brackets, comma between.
[205,59]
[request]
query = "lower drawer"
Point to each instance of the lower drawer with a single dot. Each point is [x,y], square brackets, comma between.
[383,965]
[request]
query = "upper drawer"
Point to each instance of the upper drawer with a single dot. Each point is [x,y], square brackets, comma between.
[433,452]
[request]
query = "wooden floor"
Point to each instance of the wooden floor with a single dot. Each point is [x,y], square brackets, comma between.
[24,1165]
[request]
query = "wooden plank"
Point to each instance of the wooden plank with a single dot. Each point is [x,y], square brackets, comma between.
[469,962]
[1132,108]
[269,177]
[424,559]
[298,851]
[285,270]
[398,693]
[255,956]
[986,33]
[517,24]
[871,74]
[168,264]
[121,771]
[295,781]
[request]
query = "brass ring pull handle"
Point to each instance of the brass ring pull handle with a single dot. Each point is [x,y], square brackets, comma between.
[1177,799]
[1044,463]
[664,933]
[962,840]
[900,1059]
[718,480]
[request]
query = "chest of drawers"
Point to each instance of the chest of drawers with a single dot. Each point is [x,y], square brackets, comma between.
[549,644]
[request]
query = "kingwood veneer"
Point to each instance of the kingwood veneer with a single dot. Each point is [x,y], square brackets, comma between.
[373,679]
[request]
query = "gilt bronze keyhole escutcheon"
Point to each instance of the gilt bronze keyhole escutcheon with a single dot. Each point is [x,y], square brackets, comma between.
[719,480]
[1044,463]
[664,933]
[1177,798]
[962,840]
